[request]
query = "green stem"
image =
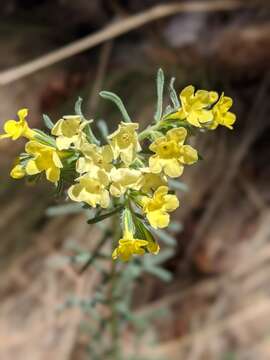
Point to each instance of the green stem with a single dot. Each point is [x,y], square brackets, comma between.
[144,134]
[115,350]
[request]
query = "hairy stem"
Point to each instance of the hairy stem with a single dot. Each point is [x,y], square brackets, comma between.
[115,350]
[145,133]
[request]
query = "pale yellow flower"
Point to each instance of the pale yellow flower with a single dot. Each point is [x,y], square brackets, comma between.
[94,156]
[44,158]
[69,130]
[16,129]
[158,207]
[171,154]
[222,115]
[150,182]
[91,189]
[195,106]
[124,179]
[124,142]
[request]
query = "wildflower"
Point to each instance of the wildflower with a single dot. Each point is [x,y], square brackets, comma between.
[69,130]
[171,153]
[91,189]
[124,142]
[94,156]
[15,129]
[157,207]
[44,158]
[123,179]
[195,106]
[222,115]
[150,181]
[129,246]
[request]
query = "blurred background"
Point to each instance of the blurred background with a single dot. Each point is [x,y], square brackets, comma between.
[218,301]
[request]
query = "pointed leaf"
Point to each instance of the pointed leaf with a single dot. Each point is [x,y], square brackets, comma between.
[173,95]
[118,102]
[160,87]
[48,122]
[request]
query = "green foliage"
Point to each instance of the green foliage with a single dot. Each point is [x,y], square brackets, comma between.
[48,122]
[160,87]
[118,102]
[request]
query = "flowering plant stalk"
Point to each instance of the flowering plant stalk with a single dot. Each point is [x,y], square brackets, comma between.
[128,173]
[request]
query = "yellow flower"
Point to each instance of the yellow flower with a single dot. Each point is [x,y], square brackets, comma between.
[171,153]
[18,172]
[69,130]
[157,207]
[222,115]
[129,246]
[150,181]
[123,179]
[94,156]
[91,189]
[124,142]
[44,158]
[195,106]
[15,129]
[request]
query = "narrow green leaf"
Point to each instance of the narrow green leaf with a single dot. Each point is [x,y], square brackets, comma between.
[160,87]
[90,135]
[175,226]
[127,221]
[48,122]
[87,129]
[78,107]
[44,138]
[173,94]
[168,111]
[160,273]
[178,185]
[118,102]
[165,237]
[104,216]
[64,209]
[103,128]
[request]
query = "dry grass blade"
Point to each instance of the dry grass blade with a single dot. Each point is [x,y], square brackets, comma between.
[112,31]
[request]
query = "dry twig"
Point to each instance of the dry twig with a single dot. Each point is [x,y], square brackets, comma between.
[114,30]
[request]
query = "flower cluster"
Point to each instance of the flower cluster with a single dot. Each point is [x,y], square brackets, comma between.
[129,173]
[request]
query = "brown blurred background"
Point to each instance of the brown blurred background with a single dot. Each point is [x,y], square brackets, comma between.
[219,300]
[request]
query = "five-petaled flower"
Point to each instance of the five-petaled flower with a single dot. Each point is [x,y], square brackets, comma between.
[69,130]
[158,207]
[171,154]
[222,115]
[124,179]
[43,158]
[129,246]
[195,106]
[124,142]
[94,157]
[91,189]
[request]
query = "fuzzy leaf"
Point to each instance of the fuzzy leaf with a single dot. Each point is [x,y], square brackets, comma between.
[160,87]
[78,107]
[118,102]
[103,128]
[173,95]
[165,237]
[48,122]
